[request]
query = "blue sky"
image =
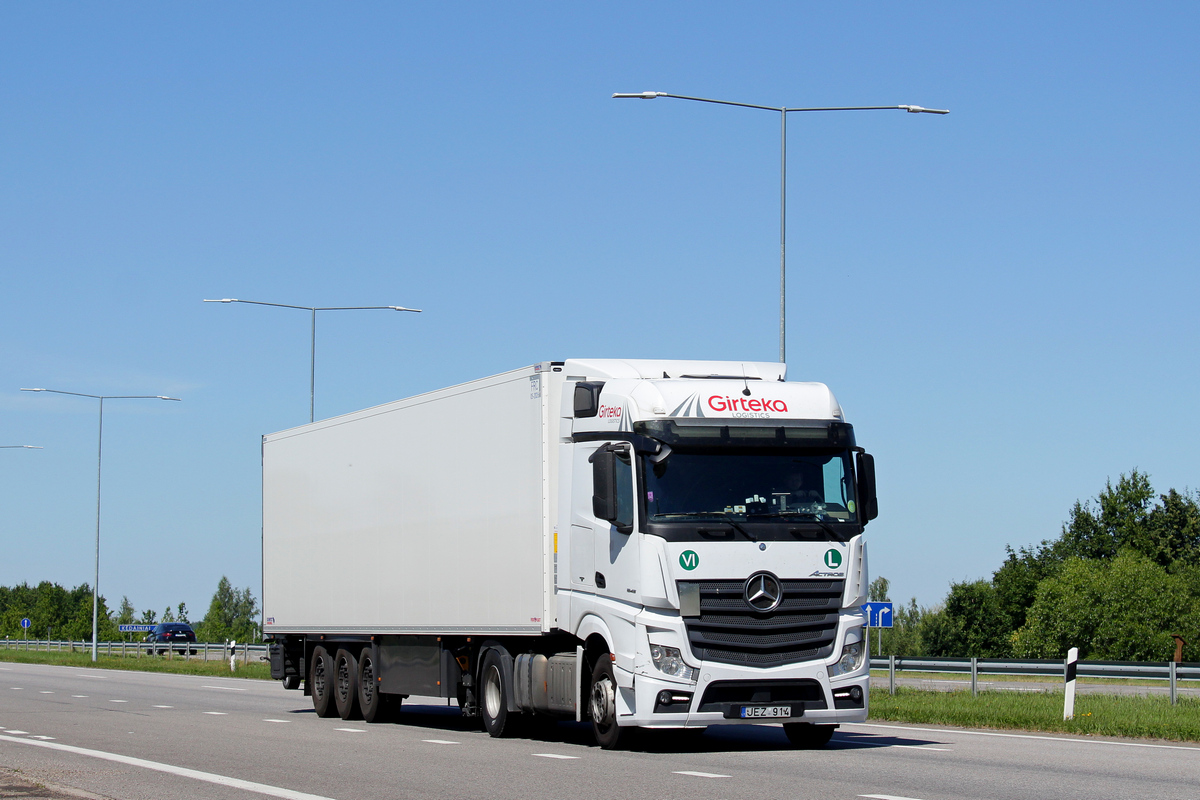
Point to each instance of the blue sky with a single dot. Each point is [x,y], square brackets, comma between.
[1002,299]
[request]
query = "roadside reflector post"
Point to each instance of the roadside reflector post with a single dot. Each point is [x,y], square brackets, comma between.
[891,674]
[1171,668]
[1069,671]
[974,677]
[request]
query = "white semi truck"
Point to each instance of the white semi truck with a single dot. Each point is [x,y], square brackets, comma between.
[653,544]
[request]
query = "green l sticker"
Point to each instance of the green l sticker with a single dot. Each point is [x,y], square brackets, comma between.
[833,559]
[689,560]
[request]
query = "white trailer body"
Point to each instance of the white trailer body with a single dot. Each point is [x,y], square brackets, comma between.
[639,543]
[426,515]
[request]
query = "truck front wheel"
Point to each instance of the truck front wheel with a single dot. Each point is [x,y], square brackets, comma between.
[806,736]
[493,706]
[603,704]
[320,681]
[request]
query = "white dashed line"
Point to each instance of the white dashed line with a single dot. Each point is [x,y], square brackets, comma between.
[79,695]
[162,706]
[45,691]
[194,774]
[276,720]
[351,730]
[17,688]
[700,774]
[922,747]
[19,733]
[43,738]
[438,741]
[217,713]
[118,701]
[553,755]
[226,688]
[887,797]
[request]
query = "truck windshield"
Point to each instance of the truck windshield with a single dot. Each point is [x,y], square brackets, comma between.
[694,485]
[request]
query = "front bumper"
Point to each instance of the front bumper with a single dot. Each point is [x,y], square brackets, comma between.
[805,687]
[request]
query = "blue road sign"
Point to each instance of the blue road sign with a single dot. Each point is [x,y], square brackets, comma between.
[879,615]
[25,623]
[135,628]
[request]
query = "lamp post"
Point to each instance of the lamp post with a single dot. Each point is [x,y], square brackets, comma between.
[312,369]
[783,112]
[99,465]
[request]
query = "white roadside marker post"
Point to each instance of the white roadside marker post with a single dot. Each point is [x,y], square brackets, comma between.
[1069,674]
[233,656]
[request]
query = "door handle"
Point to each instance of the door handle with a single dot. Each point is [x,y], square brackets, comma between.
[600,582]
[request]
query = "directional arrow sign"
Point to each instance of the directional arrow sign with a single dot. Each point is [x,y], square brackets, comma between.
[879,615]
[25,623]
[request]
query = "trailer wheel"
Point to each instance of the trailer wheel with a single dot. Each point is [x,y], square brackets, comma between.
[376,706]
[806,736]
[320,681]
[493,704]
[345,684]
[291,682]
[603,705]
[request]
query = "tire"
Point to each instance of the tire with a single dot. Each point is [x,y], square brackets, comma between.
[375,705]
[602,705]
[494,693]
[320,682]
[291,682]
[806,736]
[345,685]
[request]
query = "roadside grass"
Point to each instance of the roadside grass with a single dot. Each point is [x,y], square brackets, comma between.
[1095,714]
[1057,679]
[178,665]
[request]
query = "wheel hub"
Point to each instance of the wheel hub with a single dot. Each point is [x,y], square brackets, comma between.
[604,702]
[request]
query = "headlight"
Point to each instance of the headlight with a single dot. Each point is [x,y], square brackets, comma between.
[851,660]
[669,661]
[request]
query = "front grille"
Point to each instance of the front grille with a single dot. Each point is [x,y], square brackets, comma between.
[801,628]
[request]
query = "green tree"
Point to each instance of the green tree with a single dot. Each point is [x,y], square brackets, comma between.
[1125,609]
[232,614]
[974,625]
[877,592]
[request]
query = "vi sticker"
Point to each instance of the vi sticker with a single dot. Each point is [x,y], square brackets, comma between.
[689,560]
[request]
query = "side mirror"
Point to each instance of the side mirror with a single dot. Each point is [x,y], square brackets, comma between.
[604,484]
[866,487]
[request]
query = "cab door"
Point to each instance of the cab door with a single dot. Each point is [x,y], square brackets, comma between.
[617,555]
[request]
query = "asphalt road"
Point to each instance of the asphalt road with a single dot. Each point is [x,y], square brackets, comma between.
[135,736]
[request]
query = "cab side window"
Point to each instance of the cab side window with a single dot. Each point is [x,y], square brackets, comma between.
[624,481]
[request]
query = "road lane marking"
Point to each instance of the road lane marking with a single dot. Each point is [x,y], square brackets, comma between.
[351,730]
[438,741]
[118,701]
[887,797]
[195,774]
[553,755]
[43,738]
[19,733]
[276,720]
[700,774]
[1029,736]
[920,747]
[45,691]
[226,688]
[16,688]
[162,706]
[217,713]
[79,695]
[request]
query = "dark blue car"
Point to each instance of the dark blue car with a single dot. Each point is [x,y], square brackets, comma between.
[177,636]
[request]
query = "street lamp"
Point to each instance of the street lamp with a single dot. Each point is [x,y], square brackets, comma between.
[99,464]
[312,369]
[783,112]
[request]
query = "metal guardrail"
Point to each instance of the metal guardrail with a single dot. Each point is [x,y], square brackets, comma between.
[205,651]
[1147,670]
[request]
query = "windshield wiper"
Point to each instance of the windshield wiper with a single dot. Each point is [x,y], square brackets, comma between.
[723,515]
[814,517]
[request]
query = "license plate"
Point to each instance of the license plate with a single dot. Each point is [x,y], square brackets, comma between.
[756,712]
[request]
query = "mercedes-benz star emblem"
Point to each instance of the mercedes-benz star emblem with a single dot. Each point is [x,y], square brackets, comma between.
[763,591]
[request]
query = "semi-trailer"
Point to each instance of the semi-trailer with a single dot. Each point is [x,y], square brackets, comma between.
[637,543]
